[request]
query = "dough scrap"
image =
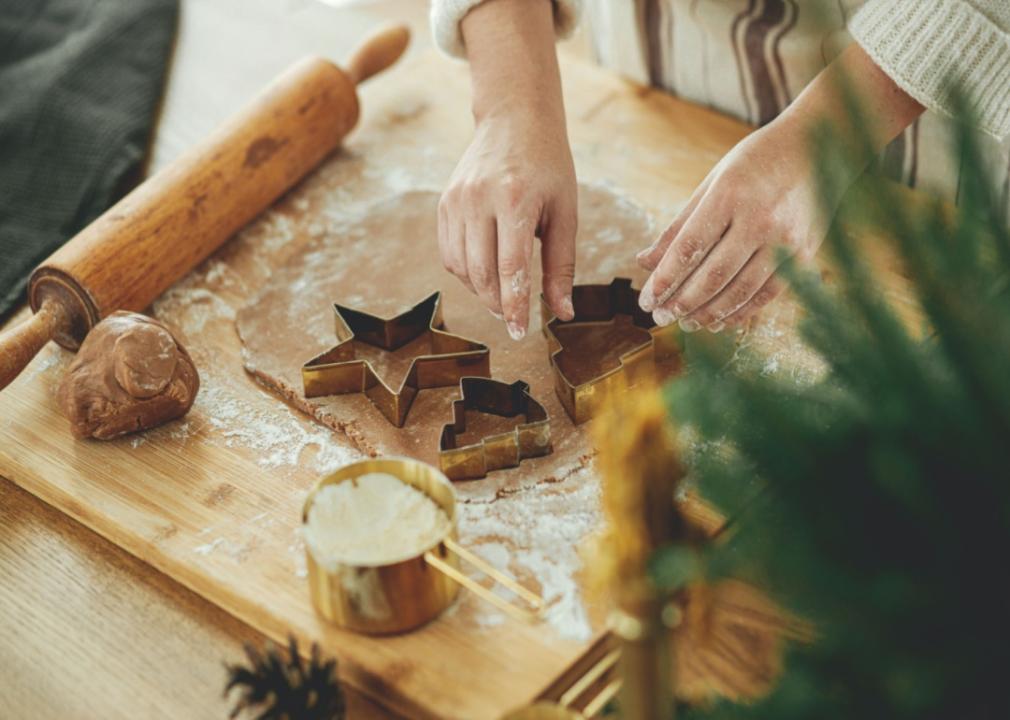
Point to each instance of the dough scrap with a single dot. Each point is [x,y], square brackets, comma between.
[130,374]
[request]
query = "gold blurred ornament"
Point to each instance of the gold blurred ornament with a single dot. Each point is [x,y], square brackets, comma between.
[706,640]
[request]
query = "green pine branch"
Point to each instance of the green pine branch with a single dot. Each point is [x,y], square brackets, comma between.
[876,501]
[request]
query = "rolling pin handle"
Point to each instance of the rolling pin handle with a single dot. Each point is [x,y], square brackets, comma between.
[378,52]
[20,344]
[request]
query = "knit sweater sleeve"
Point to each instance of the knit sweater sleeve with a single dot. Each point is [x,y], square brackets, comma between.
[446,16]
[929,46]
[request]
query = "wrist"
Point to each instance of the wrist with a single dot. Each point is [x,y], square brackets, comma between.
[809,127]
[858,104]
[513,63]
[519,108]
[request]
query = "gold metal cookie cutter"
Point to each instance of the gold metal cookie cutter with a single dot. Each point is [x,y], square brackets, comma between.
[338,372]
[599,304]
[400,596]
[531,438]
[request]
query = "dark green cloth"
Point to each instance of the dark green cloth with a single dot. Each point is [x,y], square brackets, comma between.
[80,82]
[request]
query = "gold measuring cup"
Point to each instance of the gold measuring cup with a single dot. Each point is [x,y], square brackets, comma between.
[402,595]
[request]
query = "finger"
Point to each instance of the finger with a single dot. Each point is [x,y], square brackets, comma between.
[557,255]
[737,293]
[703,230]
[450,242]
[772,288]
[515,246]
[482,261]
[722,265]
[650,256]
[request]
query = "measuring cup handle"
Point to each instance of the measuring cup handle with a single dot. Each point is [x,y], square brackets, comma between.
[534,601]
[595,704]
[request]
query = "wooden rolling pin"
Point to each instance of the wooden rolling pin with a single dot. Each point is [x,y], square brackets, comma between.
[175,219]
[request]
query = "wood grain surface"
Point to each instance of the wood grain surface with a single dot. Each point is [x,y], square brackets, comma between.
[90,631]
[203,508]
[59,664]
[168,224]
[164,498]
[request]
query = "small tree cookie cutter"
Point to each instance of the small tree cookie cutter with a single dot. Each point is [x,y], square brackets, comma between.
[600,304]
[529,439]
[338,372]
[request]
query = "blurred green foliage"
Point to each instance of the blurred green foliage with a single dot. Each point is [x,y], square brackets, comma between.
[876,501]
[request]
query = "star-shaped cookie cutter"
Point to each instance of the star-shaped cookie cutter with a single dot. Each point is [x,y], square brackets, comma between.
[601,304]
[338,372]
[529,439]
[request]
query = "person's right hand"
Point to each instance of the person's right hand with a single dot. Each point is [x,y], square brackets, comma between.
[514,182]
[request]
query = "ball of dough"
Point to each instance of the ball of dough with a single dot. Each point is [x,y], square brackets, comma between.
[130,374]
[145,357]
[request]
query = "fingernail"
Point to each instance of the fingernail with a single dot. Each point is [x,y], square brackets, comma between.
[678,311]
[689,326]
[498,315]
[646,299]
[663,317]
[515,332]
[567,308]
[716,326]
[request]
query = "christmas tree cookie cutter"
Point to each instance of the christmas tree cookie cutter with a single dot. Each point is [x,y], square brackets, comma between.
[599,304]
[338,372]
[529,439]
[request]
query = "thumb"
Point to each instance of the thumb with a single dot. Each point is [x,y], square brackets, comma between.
[557,254]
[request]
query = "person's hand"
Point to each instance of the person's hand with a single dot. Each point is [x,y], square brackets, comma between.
[515,181]
[716,264]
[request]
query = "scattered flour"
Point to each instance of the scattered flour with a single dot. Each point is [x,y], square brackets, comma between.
[537,533]
[229,402]
[297,552]
[397,179]
[762,344]
[218,273]
[273,231]
[521,282]
[49,357]
[191,308]
[610,235]
[208,548]
[278,436]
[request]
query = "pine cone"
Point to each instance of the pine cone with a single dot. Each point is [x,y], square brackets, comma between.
[281,686]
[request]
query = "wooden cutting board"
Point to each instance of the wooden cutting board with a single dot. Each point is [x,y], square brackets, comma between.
[213,500]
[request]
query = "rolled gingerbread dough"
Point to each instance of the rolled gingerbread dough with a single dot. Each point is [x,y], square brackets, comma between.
[385,260]
[130,374]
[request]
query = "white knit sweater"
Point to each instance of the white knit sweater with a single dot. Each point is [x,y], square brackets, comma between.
[446,16]
[923,45]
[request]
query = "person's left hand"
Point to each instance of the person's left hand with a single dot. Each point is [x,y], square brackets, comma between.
[716,264]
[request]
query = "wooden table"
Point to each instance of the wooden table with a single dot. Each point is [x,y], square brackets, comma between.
[88,630]
[133,642]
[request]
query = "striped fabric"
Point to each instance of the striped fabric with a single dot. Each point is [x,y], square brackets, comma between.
[751,58]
